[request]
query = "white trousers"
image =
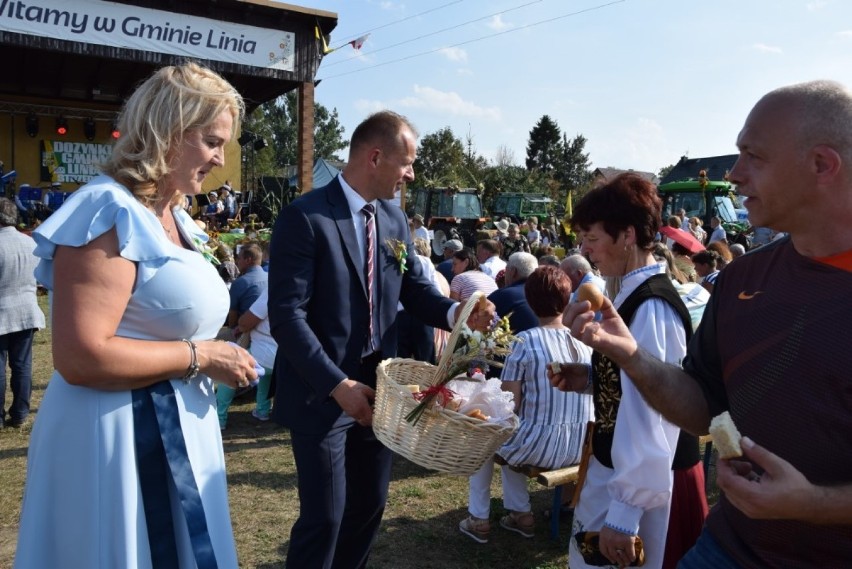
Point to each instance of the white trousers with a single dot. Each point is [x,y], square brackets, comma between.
[516,497]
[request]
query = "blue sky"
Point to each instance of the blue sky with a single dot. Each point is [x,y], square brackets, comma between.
[645,81]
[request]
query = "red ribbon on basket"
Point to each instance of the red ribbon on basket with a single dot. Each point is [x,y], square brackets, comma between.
[442,392]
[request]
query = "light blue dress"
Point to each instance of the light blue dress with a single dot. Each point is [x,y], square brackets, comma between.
[82,502]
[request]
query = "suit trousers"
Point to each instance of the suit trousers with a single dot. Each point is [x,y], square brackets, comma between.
[343,478]
[17,349]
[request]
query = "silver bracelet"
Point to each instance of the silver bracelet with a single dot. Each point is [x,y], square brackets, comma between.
[193,368]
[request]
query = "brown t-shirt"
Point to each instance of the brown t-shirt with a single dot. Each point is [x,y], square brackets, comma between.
[775,348]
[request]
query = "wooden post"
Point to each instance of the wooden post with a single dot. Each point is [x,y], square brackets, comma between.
[305,111]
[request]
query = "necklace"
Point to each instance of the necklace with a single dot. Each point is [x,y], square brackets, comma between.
[166,229]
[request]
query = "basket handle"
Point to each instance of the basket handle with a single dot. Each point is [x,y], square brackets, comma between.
[447,355]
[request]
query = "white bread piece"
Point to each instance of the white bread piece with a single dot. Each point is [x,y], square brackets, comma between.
[413,388]
[726,437]
[555,367]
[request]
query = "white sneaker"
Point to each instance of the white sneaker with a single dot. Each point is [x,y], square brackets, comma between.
[475,528]
[258,416]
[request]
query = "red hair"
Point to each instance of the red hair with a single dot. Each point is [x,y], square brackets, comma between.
[628,200]
[548,291]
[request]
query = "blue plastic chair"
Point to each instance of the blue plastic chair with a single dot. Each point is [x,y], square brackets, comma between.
[55,199]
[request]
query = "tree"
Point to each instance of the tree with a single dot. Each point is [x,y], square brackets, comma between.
[572,168]
[328,133]
[664,171]
[543,146]
[500,179]
[474,165]
[277,122]
[505,156]
[263,162]
[440,158]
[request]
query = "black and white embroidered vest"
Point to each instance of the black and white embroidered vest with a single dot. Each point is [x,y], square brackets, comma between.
[607,377]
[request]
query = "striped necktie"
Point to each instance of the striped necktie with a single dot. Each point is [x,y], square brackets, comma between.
[370,223]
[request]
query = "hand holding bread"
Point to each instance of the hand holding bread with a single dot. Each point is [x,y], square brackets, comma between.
[726,437]
[592,293]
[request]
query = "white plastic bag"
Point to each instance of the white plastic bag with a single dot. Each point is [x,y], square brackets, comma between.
[485,395]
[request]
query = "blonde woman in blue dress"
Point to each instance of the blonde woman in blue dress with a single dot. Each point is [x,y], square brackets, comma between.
[125,466]
[552,423]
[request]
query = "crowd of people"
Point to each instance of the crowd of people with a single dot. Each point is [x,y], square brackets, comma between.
[35,203]
[217,209]
[147,363]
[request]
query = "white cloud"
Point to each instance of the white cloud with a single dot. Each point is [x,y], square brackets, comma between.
[644,141]
[430,100]
[762,47]
[642,145]
[367,107]
[845,34]
[496,23]
[464,71]
[454,53]
[816,5]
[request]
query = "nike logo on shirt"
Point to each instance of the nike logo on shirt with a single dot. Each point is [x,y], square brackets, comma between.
[746,296]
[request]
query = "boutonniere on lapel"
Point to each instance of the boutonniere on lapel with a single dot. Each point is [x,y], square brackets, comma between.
[399,252]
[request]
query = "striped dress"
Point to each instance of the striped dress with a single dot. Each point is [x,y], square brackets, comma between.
[553,422]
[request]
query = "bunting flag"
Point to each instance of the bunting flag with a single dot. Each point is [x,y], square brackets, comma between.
[319,35]
[358,42]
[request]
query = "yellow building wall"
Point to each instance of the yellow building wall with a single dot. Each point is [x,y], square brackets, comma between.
[22,153]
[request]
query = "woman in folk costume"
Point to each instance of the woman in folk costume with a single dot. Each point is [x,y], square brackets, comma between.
[628,489]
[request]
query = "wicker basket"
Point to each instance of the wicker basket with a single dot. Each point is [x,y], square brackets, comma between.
[441,440]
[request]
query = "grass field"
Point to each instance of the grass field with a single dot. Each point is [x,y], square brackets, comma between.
[419,528]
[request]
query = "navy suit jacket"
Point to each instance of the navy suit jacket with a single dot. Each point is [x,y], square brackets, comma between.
[318,309]
[512,299]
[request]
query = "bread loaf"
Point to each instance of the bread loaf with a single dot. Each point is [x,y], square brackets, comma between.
[477,414]
[726,437]
[590,292]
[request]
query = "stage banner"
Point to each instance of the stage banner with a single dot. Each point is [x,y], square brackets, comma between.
[126,26]
[72,162]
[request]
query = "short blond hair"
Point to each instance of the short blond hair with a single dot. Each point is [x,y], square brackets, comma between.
[157,116]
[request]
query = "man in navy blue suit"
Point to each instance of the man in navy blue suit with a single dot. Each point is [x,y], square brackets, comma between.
[331,338]
[511,298]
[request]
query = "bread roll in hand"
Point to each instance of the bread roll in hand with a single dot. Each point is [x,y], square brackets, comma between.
[726,437]
[592,293]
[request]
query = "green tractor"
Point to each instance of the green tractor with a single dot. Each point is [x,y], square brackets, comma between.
[704,198]
[520,207]
[449,213]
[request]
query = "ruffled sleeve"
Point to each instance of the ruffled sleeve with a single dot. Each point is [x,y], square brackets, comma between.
[90,212]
